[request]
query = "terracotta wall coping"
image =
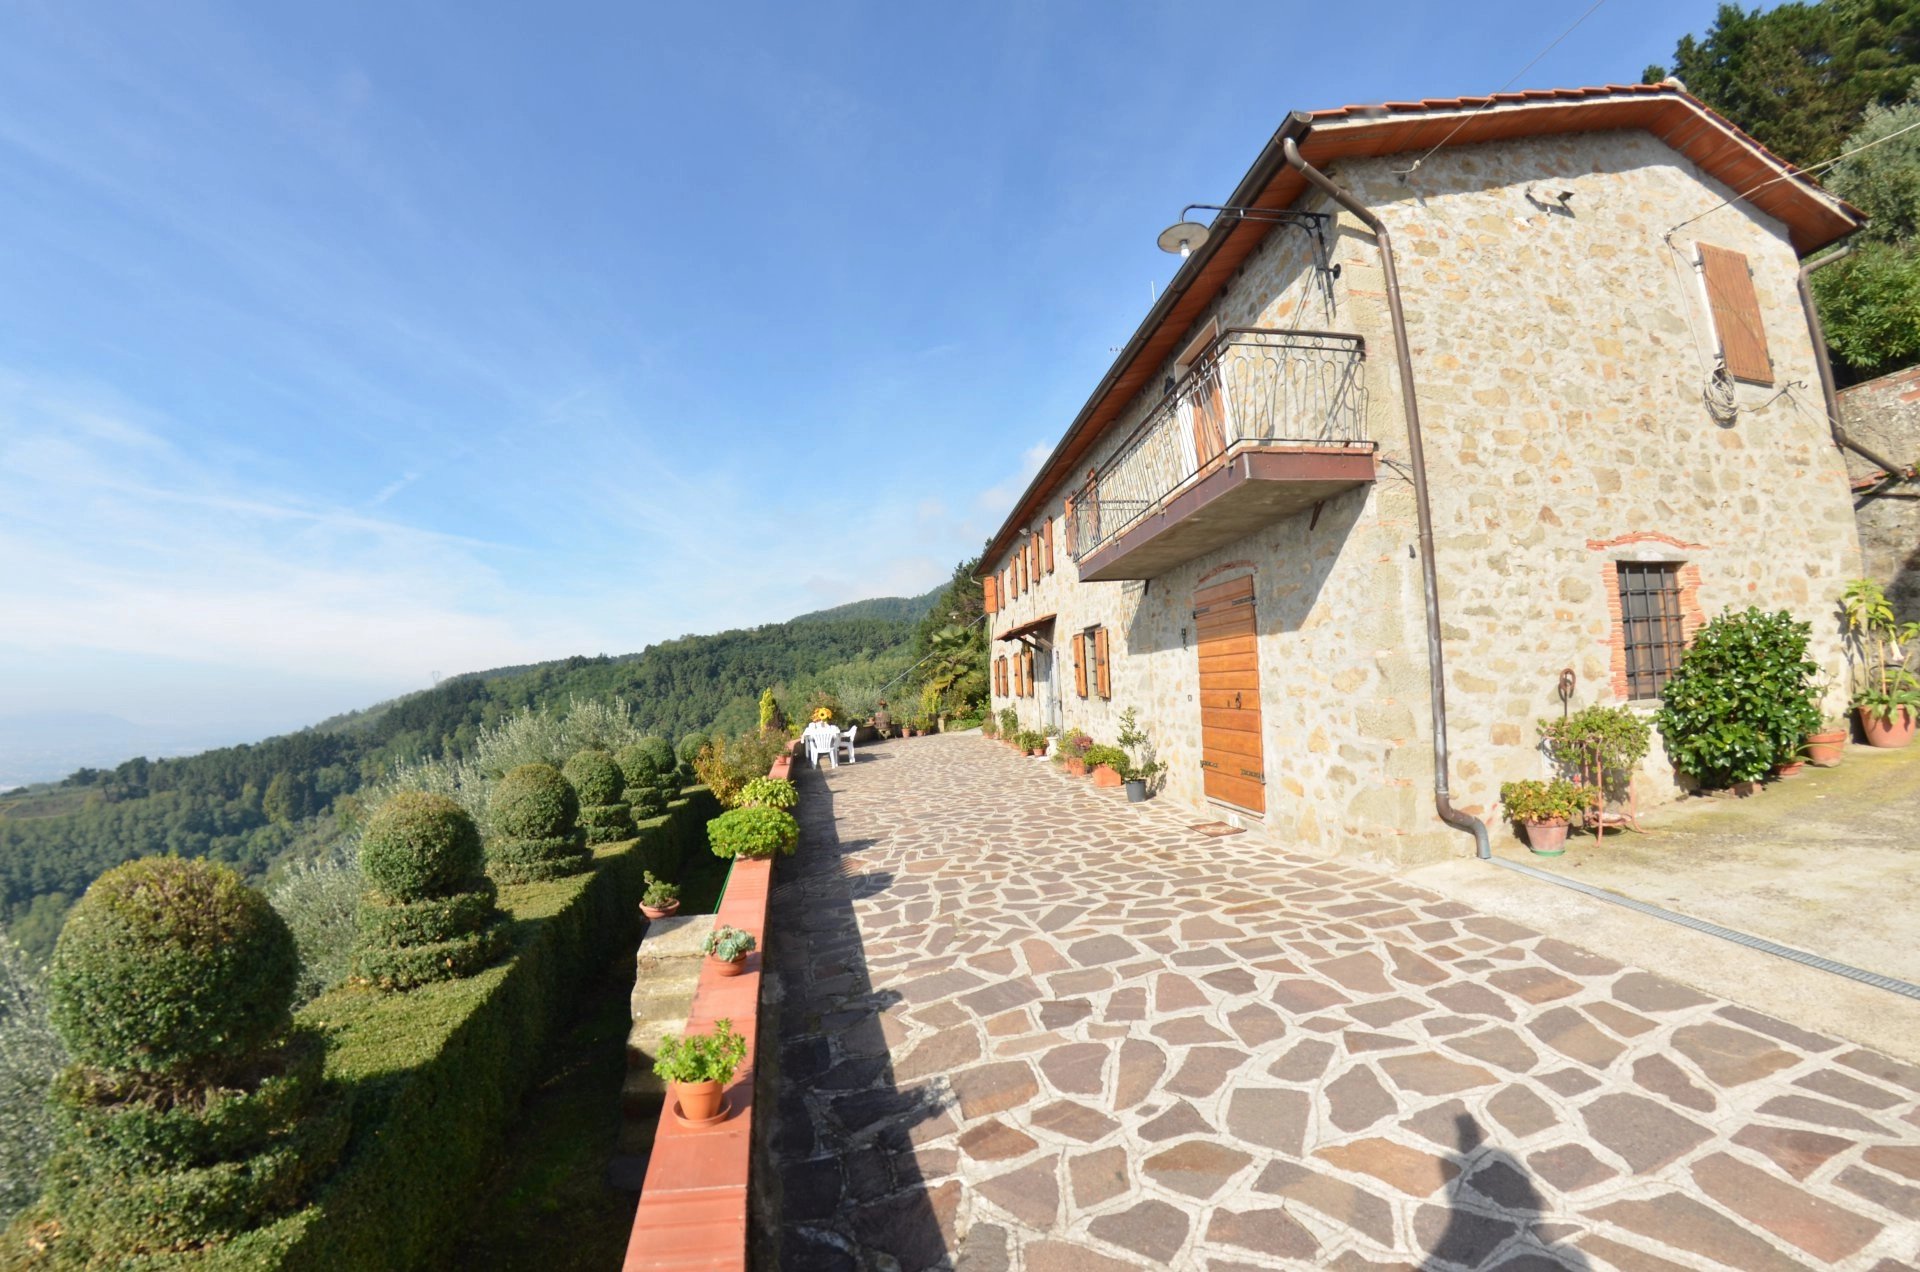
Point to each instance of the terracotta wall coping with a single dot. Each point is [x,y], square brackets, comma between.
[693,1202]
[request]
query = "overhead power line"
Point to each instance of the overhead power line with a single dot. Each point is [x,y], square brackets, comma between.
[1797,172]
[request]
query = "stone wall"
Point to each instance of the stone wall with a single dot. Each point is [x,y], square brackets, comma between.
[1884,416]
[1559,358]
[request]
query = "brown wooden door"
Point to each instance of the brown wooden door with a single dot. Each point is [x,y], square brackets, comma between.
[1232,759]
[1209,423]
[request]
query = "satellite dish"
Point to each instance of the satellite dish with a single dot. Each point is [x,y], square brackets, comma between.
[1183,238]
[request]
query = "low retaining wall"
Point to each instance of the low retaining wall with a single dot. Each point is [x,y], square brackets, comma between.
[693,1202]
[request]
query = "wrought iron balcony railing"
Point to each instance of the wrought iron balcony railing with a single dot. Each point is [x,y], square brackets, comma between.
[1252,386]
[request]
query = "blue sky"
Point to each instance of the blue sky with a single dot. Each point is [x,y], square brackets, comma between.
[343,344]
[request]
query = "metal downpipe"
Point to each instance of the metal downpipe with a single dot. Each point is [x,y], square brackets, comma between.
[1825,364]
[1436,667]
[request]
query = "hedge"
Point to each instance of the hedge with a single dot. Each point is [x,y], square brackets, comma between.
[436,1075]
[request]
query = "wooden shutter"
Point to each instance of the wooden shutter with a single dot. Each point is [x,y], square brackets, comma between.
[1080,663]
[992,590]
[1102,671]
[1736,314]
[1068,518]
[1046,546]
[1020,564]
[1029,660]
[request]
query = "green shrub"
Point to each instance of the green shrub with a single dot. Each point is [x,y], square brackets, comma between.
[1549,801]
[690,747]
[1742,700]
[1111,756]
[404,967]
[535,801]
[1602,746]
[535,815]
[659,894]
[769,792]
[646,762]
[174,970]
[30,1058]
[713,1057]
[320,900]
[595,777]
[606,823]
[1009,722]
[383,921]
[646,801]
[753,832]
[418,845]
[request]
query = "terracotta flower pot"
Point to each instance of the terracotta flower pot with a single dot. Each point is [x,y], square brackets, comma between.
[726,968]
[1036,750]
[1824,749]
[1791,768]
[1076,767]
[1547,838]
[699,1101]
[666,911]
[1105,775]
[1895,729]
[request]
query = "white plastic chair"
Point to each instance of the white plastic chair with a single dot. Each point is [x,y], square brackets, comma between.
[843,741]
[822,740]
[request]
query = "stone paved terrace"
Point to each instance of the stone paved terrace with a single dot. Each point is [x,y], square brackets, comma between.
[1024,1025]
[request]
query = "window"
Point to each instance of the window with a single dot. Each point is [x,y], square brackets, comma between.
[1651,632]
[1736,314]
[1090,655]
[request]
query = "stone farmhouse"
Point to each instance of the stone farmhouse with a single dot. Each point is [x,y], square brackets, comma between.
[1454,407]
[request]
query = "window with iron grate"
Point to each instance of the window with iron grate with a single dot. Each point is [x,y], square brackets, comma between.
[1650,626]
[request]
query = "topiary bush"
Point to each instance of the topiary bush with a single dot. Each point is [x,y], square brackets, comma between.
[193,1109]
[753,832]
[430,914]
[1744,697]
[536,832]
[172,970]
[599,781]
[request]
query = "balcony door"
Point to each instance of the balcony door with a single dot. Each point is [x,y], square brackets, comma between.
[1206,409]
[1232,759]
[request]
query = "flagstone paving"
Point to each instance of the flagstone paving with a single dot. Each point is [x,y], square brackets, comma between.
[1025,1025]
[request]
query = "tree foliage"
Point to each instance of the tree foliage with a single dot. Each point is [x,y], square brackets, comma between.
[1870,302]
[1799,77]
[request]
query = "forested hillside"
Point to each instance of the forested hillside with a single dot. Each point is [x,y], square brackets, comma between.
[257,804]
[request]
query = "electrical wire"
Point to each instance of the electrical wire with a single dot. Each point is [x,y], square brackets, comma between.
[1493,100]
[1797,172]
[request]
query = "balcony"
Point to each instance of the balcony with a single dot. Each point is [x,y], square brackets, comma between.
[1265,424]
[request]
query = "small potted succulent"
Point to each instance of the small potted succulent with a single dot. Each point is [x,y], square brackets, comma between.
[1545,808]
[661,899]
[1109,764]
[1825,748]
[700,1066]
[727,949]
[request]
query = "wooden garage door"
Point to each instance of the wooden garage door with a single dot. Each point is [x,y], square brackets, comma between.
[1232,763]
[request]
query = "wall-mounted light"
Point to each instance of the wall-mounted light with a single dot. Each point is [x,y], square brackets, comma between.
[1187,236]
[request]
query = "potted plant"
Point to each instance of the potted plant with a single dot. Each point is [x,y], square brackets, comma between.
[699,1066]
[727,949]
[1599,747]
[1109,764]
[1825,747]
[989,727]
[1744,696]
[1071,753]
[1141,764]
[1545,808]
[1889,699]
[1032,742]
[661,898]
[1791,766]
[1010,727]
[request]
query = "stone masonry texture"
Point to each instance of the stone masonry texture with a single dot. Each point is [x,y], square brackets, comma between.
[1884,416]
[1026,1025]
[1560,357]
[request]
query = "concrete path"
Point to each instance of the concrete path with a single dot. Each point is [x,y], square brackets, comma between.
[1025,1025]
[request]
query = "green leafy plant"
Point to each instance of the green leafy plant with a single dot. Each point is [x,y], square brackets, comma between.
[429,914]
[1073,745]
[989,727]
[753,832]
[1881,646]
[729,944]
[536,827]
[659,894]
[1111,756]
[1601,746]
[1742,700]
[1141,764]
[711,1057]
[1030,740]
[1556,800]
[769,792]
[1009,722]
